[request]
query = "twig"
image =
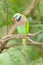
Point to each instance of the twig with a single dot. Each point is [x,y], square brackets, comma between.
[35,34]
[20,44]
[18,36]
[7,37]
[31,7]
[12,29]
[34,42]
[6,11]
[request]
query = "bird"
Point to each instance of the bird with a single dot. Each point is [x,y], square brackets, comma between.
[22,25]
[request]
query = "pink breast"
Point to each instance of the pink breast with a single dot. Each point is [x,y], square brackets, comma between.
[23,21]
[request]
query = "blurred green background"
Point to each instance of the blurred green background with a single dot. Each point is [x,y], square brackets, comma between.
[15,56]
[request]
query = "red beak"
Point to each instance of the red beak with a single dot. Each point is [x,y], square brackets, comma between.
[14,19]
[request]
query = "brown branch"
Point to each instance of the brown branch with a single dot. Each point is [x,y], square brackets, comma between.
[34,42]
[31,7]
[15,45]
[12,29]
[20,44]
[18,36]
[7,37]
[35,34]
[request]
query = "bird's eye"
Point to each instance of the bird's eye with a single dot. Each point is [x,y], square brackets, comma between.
[19,19]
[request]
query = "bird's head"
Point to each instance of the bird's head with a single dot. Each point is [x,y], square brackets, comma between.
[20,19]
[17,17]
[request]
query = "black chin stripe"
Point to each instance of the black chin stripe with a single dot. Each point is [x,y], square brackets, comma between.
[19,19]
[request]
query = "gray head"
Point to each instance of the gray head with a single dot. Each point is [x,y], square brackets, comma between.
[17,16]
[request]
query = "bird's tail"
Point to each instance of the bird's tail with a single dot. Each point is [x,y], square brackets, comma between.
[24,43]
[24,50]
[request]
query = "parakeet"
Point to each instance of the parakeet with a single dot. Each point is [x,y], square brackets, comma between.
[22,25]
[22,28]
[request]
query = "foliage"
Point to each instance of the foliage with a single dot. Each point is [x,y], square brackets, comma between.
[15,56]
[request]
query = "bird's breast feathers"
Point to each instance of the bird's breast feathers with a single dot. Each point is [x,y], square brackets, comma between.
[23,29]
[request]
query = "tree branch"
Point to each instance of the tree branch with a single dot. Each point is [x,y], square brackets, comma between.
[31,7]
[12,29]
[18,36]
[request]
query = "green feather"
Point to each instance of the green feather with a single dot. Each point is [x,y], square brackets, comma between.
[26,31]
[27,27]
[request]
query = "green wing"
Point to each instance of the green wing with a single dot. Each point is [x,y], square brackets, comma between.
[26,31]
[27,27]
